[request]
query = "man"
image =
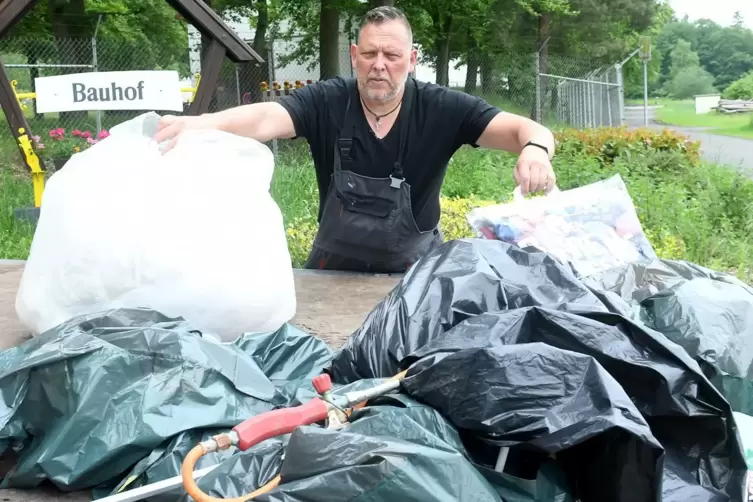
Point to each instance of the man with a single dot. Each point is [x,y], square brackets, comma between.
[381,144]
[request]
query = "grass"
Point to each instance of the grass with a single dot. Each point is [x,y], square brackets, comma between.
[682,113]
[15,236]
[745,132]
[688,209]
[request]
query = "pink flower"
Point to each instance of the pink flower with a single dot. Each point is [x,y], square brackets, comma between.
[86,134]
[76,133]
[103,134]
[92,141]
[57,133]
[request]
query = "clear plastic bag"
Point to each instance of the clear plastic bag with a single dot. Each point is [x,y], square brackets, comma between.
[193,233]
[593,228]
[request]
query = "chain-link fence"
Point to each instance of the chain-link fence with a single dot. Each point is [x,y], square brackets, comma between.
[551,89]
[574,93]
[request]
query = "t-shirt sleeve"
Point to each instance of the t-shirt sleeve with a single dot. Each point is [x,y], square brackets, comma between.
[303,106]
[309,106]
[472,115]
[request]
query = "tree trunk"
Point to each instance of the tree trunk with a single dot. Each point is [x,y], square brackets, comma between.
[206,42]
[255,73]
[486,68]
[381,3]
[72,32]
[329,40]
[443,53]
[471,74]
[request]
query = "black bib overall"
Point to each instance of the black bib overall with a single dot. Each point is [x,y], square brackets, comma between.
[367,224]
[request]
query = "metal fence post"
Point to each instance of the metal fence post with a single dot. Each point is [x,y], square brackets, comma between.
[95,65]
[537,60]
[609,101]
[238,86]
[271,68]
[620,94]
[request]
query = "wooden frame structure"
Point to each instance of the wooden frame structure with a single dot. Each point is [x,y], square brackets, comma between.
[224,42]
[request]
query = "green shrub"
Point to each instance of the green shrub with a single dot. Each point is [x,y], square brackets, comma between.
[690,82]
[609,143]
[741,88]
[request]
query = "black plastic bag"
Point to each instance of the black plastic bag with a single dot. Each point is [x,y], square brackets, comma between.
[708,313]
[687,415]
[461,279]
[115,386]
[713,321]
[624,394]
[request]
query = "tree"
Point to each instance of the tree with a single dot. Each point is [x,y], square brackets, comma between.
[686,77]
[316,26]
[738,21]
[329,39]
[689,82]
[725,52]
[682,58]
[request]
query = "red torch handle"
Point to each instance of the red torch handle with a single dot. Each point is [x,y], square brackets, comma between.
[278,422]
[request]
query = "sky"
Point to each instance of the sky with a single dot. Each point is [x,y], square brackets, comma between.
[720,11]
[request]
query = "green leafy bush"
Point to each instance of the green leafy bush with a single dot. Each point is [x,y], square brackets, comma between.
[741,88]
[690,82]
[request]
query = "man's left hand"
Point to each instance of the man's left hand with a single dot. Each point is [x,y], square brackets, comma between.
[533,172]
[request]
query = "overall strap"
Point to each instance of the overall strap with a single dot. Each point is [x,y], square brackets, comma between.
[348,129]
[408,96]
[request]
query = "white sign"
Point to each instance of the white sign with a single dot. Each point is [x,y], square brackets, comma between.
[115,90]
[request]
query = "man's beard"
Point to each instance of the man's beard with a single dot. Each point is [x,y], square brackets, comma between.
[373,95]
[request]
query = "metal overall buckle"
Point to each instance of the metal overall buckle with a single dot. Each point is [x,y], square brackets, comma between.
[397,178]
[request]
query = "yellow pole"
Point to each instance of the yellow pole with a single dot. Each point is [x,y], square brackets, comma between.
[37,175]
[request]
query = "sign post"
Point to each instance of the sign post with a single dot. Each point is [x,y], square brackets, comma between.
[645,54]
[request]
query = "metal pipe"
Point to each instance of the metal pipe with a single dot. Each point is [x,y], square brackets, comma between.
[44,65]
[157,488]
[356,397]
[624,61]
[95,64]
[575,79]
[645,92]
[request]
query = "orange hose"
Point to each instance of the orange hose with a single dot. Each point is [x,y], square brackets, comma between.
[197,451]
[199,496]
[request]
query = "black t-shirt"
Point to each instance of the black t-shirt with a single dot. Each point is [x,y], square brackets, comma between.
[441,121]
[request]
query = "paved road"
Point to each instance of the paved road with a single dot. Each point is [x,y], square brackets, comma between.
[734,152]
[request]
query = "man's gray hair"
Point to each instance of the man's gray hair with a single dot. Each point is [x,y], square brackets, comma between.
[379,15]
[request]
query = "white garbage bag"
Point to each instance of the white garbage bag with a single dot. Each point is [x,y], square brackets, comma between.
[192,233]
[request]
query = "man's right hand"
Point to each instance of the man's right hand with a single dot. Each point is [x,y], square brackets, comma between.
[170,127]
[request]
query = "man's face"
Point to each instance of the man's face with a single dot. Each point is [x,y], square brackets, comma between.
[383,59]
